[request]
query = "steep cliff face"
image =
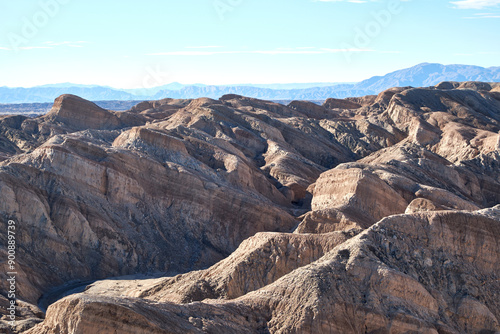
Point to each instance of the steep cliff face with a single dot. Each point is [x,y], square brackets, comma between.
[428,273]
[102,209]
[385,196]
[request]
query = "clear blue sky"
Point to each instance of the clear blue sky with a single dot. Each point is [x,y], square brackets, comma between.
[134,44]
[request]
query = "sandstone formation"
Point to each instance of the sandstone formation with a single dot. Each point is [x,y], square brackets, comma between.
[374,214]
[433,272]
[332,103]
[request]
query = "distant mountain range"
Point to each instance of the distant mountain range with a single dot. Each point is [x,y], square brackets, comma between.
[421,75]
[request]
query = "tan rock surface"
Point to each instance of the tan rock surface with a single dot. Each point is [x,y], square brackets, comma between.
[341,104]
[312,110]
[259,261]
[359,188]
[79,114]
[425,273]
[178,185]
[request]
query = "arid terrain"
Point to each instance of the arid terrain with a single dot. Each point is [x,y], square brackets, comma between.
[375,214]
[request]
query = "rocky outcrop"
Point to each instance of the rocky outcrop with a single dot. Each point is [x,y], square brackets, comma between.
[332,103]
[364,101]
[362,189]
[312,110]
[101,210]
[159,109]
[411,273]
[446,134]
[258,261]
[425,273]
[386,201]
[79,114]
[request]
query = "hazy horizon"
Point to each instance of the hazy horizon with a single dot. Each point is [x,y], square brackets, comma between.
[186,84]
[256,84]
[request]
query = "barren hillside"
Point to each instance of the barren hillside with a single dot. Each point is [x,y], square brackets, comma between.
[364,215]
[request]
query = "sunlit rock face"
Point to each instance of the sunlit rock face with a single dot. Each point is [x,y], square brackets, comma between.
[372,214]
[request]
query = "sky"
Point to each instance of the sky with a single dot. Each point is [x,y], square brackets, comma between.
[148,43]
